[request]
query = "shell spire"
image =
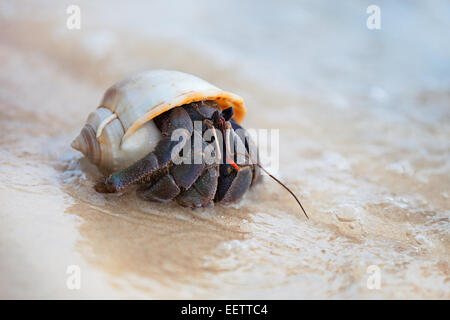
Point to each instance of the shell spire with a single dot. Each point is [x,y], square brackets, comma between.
[87,144]
[80,144]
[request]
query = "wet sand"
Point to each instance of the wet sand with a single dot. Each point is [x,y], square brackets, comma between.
[375,181]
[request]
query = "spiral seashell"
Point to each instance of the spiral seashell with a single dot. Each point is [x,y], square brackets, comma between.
[121,130]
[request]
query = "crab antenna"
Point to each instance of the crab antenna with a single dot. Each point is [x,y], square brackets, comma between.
[281,183]
[255,162]
[284,186]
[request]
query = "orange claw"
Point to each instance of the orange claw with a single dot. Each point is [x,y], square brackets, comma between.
[229,161]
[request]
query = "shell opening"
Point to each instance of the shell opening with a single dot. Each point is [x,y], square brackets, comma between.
[224,100]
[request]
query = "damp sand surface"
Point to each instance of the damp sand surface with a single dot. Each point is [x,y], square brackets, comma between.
[364,141]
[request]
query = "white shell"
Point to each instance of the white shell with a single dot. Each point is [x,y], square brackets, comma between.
[120,131]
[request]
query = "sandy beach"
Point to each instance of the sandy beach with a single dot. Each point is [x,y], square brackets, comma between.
[363,119]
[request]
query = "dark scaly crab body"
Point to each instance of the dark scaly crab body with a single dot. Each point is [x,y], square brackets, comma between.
[190,185]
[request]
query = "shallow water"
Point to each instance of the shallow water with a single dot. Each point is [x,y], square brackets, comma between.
[364,141]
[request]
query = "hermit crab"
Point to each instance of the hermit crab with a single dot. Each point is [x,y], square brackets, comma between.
[176,136]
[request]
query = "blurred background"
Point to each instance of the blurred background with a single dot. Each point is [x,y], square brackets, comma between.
[364,128]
